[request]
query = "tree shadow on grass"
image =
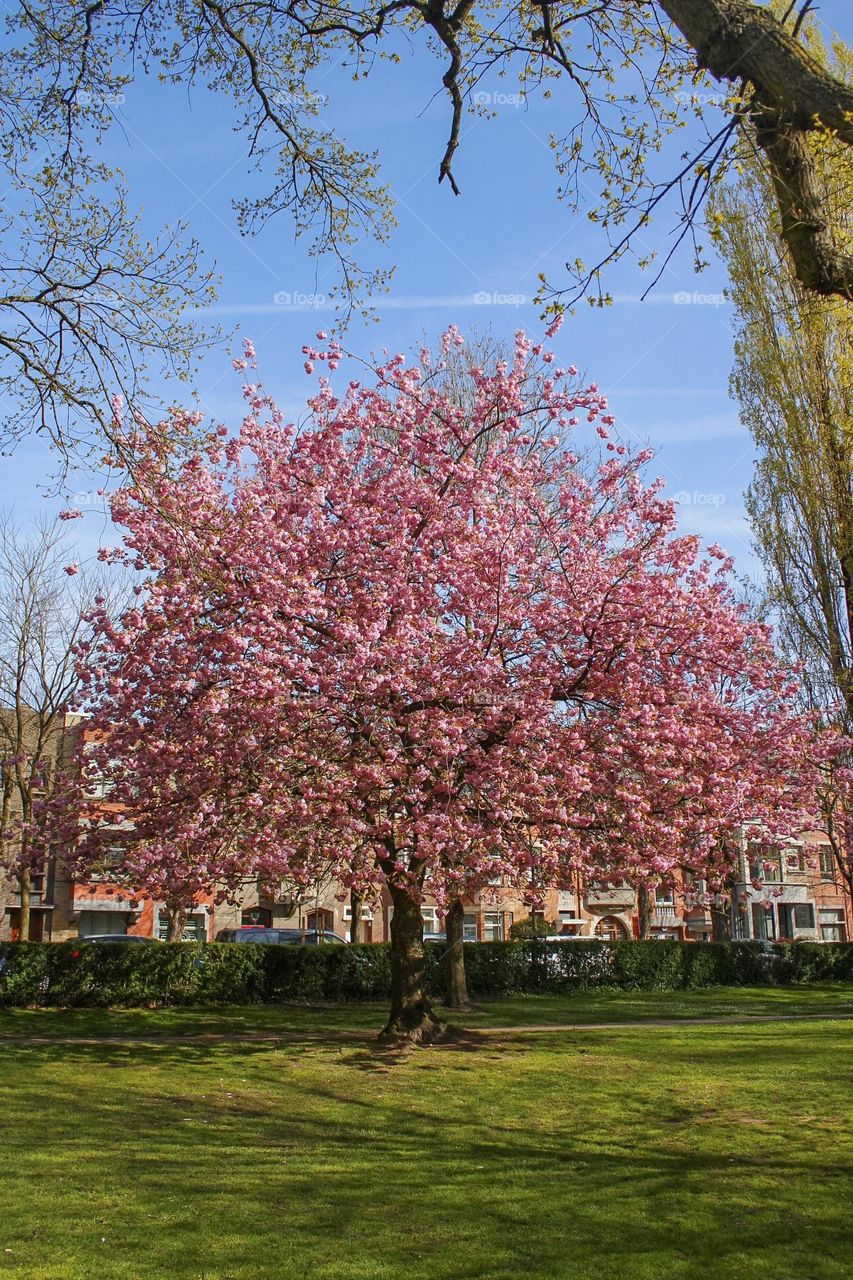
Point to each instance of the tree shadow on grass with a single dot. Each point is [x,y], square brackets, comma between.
[354,1162]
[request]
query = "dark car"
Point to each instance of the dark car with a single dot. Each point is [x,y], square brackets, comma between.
[273,937]
[114,937]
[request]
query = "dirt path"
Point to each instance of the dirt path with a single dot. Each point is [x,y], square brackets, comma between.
[467,1033]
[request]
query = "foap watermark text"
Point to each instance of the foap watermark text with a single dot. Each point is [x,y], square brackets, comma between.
[686,298]
[694,498]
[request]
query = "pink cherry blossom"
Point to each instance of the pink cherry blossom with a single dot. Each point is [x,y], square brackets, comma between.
[415,645]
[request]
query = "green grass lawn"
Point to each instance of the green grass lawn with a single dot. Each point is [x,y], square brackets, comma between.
[644,1151]
[582,1007]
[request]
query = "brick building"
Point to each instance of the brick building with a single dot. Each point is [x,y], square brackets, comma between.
[43,746]
[808,903]
[801,896]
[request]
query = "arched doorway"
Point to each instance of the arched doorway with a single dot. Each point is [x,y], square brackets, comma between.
[609,929]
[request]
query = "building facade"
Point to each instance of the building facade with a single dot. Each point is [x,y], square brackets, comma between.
[781,892]
[790,891]
[42,745]
[804,899]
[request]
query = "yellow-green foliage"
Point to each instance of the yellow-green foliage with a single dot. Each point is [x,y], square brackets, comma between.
[793,378]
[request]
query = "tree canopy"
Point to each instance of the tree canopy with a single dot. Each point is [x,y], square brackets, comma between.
[622,75]
[793,378]
[376,647]
[90,307]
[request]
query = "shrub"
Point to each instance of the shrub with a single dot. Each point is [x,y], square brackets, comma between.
[532,927]
[184,973]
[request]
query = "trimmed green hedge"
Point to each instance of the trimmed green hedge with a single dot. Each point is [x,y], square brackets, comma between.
[497,969]
[73,974]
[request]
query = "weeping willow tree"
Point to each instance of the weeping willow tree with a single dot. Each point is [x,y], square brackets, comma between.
[793,379]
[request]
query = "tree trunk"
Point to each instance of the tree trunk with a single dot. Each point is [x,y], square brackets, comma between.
[176,919]
[355,916]
[25,879]
[25,885]
[411,1017]
[644,911]
[841,853]
[721,924]
[793,95]
[454,957]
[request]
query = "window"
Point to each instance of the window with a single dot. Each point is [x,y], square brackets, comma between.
[827,863]
[320,919]
[38,924]
[496,879]
[609,929]
[112,842]
[367,915]
[195,927]
[832,926]
[430,918]
[41,778]
[794,859]
[766,872]
[764,862]
[365,924]
[763,923]
[113,854]
[493,927]
[98,785]
[469,929]
[663,896]
[803,915]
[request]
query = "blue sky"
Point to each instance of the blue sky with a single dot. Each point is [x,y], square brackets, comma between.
[664,363]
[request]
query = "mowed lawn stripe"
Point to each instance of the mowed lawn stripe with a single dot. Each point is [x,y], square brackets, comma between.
[642,1152]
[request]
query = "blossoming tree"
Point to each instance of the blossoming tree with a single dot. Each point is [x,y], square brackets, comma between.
[417,644]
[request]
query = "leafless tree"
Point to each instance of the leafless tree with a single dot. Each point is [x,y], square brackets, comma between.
[43,637]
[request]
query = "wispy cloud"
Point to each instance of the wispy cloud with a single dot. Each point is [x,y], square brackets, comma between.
[701,430]
[713,518]
[505,297]
[304,302]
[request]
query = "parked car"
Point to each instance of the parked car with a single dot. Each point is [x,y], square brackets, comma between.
[271,937]
[113,937]
[435,937]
